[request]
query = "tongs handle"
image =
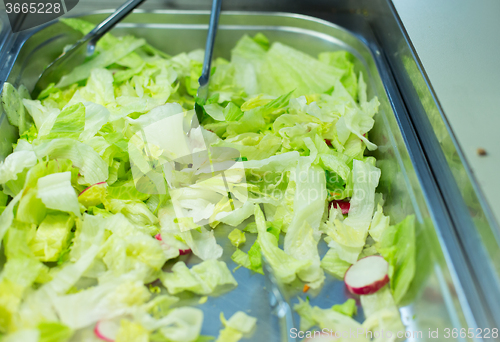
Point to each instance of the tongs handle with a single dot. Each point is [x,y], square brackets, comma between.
[108,23]
[209,50]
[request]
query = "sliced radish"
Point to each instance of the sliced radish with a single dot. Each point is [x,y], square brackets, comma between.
[367,275]
[184,251]
[106,330]
[328,142]
[343,205]
[158,237]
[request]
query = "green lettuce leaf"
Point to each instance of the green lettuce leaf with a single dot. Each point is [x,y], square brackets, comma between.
[381,312]
[285,267]
[31,209]
[14,108]
[237,237]
[122,47]
[56,192]
[327,319]
[70,123]
[131,331]
[51,238]
[302,236]
[206,278]
[54,332]
[348,308]
[180,325]
[348,236]
[397,246]
[332,264]
[238,326]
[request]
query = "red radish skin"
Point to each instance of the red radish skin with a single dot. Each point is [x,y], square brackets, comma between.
[100,334]
[181,251]
[367,275]
[343,205]
[184,251]
[100,183]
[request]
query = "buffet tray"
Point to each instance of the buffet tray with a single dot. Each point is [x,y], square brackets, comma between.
[440,296]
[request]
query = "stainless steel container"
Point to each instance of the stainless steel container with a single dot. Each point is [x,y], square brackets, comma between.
[447,293]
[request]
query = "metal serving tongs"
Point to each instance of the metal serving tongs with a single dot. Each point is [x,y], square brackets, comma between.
[83,48]
[202,94]
[278,302]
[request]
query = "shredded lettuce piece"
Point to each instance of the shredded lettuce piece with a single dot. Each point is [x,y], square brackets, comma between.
[13,106]
[303,234]
[54,332]
[131,331]
[207,278]
[56,192]
[237,237]
[180,325]
[397,245]
[52,237]
[379,224]
[238,326]
[348,308]
[381,312]
[327,319]
[348,236]
[285,266]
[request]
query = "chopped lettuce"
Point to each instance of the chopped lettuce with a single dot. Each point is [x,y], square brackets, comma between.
[303,233]
[237,237]
[348,308]
[54,332]
[397,245]
[131,331]
[284,266]
[327,319]
[13,106]
[56,192]
[348,236]
[382,313]
[206,278]
[332,264]
[52,237]
[238,326]
[113,180]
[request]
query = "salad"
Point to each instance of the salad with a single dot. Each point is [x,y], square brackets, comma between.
[115,177]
